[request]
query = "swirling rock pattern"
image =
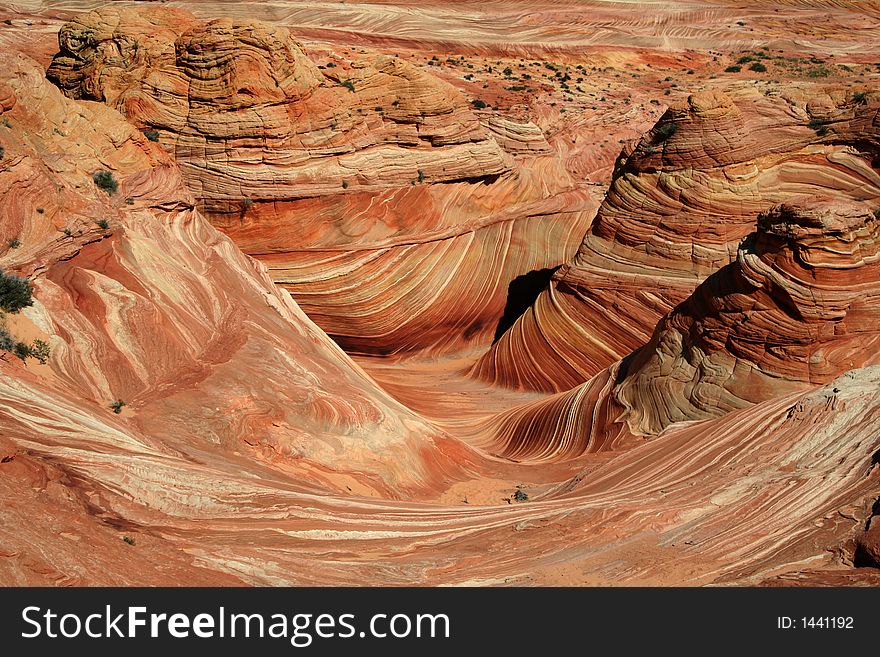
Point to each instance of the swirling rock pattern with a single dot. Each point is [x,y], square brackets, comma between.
[799,307]
[253,450]
[675,212]
[163,312]
[341,177]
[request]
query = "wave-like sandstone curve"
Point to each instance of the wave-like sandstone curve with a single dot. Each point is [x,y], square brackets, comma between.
[798,308]
[252,450]
[675,212]
[341,176]
[159,310]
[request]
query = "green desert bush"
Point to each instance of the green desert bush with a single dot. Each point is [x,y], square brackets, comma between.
[105,181]
[664,132]
[15,293]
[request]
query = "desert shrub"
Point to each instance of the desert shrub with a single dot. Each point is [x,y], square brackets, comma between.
[421,176]
[520,495]
[877,214]
[39,350]
[15,293]
[128,539]
[819,126]
[7,342]
[348,84]
[479,104]
[758,67]
[103,224]
[733,69]
[105,181]
[860,96]
[21,350]
[117,406]
[152,135]
[664,132]
[745,59]
[14,243]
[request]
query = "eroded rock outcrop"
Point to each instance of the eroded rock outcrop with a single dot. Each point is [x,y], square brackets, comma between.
[339,178]
[799,307]
[252,451]
[677,208]
[142,301]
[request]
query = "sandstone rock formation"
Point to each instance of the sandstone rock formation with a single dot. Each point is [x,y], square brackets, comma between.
[158,309]
[713,414]
[676,210]
[338,178]
[799,307]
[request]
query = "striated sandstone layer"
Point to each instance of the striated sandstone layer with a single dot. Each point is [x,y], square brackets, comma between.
[799,307]
[252,450]
[677,208]
[339,178]
[161,311]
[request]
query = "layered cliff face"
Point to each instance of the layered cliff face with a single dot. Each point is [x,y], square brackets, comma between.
[718,447]
[142,301]
[338,178]
[676,210]
[798,308]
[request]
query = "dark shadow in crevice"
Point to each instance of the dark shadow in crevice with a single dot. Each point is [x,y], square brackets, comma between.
[522,292]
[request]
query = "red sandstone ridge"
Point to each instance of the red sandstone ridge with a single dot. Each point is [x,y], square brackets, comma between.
[339,178]
[799,307]
[141,300]
[716,419]
[676,209]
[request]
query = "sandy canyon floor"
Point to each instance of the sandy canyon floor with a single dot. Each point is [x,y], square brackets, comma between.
[469,293]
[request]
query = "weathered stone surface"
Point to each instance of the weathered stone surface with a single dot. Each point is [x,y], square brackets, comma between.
[676,210]
[341,177]
[252,450]
[799,307]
